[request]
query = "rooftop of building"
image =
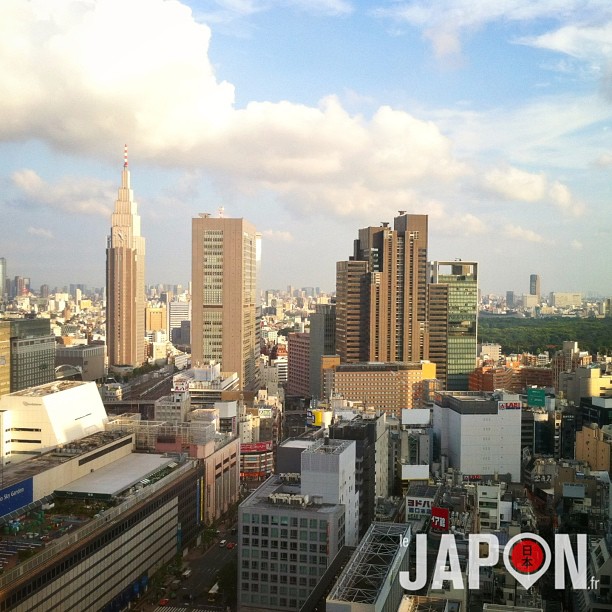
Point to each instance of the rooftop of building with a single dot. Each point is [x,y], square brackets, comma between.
[365,575]
[421,490]
[135,470]
[374,366]
[49,388]
[80,348]
[54,523]
[279,492]
[14,473]
[328,446]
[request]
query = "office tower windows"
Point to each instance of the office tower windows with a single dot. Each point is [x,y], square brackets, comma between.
[224,277]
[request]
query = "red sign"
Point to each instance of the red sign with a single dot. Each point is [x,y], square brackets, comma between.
[256,447]
[440,519]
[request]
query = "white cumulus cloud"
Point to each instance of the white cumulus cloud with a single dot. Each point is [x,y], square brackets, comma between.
[76,196]
[516,232]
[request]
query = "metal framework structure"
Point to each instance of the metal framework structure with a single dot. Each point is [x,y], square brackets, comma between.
[365,574]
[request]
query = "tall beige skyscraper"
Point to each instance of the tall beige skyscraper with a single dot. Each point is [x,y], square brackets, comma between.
[224,277]
[125,280]
[381,293]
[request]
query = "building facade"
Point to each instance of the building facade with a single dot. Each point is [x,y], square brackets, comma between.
[479,433]
[125,280]
[452,304]
[32,353]
[390,297]
[298,364]
[388,387]
[224,276]
[534,286]
[322,342]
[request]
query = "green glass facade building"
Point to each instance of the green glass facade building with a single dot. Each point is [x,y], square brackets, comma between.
[453,321]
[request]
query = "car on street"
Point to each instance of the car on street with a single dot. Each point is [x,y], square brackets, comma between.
[222,543]
[164,602]
[231,545]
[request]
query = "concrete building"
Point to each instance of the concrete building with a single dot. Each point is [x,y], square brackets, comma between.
[388,387]
[594,446]
[32,353]
[40,418]
[224,276]
[565,300]
[584,381]
[352,311]
[452,314]
[156,318]
[479,433]
[147,511]
[179,317]
[287,541]
[387,295]
[125,280]
[371,465]
[298,364]
[328,471]
[322,342]
[88,358]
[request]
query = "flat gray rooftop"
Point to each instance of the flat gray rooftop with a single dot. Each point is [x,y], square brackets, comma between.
[120,475]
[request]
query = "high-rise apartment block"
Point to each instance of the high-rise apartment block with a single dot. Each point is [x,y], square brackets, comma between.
[224,276]
[452,313]
[381,293]
[125,280]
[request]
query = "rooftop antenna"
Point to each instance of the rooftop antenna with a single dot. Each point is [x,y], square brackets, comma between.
[125,159]
[221,212]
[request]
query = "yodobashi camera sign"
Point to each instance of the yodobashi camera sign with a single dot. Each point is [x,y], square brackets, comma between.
[526,556]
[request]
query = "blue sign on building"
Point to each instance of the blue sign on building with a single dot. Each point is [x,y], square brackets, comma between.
[16,496]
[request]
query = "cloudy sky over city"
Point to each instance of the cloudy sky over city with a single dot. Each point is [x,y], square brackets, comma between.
[311,119]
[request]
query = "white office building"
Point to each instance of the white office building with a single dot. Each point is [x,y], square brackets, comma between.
[38,419]
[328,471]
[479,432]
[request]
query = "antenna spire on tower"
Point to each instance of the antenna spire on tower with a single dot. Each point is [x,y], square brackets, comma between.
[125,160]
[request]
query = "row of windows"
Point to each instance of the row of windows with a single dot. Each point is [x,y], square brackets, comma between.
[266,519]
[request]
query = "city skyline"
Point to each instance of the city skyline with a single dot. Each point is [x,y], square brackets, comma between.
[310,120]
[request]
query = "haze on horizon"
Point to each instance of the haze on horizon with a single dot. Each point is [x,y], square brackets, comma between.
[310,118]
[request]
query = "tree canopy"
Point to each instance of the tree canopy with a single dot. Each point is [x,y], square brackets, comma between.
[546,334]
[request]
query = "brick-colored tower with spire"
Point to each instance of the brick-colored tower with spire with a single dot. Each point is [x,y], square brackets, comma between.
[125,280]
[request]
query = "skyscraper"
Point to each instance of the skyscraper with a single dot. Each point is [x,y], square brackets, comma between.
[125,280]
[224,276]
[452,313]
[534,285]
[393,285]
[2,278]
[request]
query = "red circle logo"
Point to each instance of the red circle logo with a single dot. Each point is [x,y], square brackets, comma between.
[527,556]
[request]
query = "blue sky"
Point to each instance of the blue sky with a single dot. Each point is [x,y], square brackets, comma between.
[310,118]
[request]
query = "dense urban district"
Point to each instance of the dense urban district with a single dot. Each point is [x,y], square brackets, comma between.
[405,442]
